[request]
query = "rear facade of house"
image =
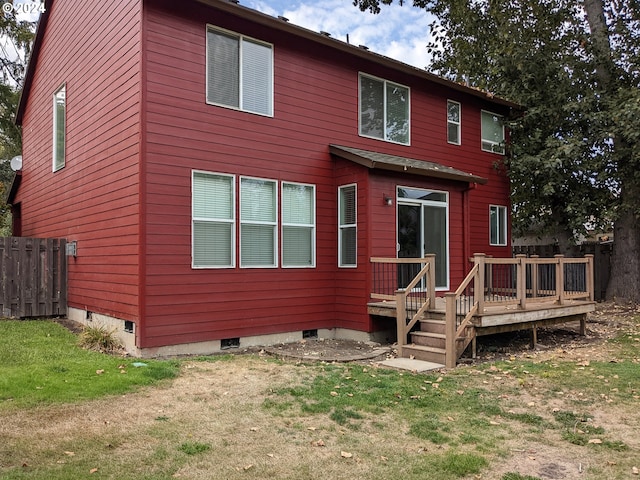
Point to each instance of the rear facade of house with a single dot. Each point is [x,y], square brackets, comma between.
[226,176]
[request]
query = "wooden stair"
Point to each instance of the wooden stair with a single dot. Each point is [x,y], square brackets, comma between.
[429,342]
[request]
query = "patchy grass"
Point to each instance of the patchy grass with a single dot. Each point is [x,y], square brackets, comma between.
[41,363]
[252,417]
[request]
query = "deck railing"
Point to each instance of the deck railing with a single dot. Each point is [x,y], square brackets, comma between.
[410,282]
[516,281]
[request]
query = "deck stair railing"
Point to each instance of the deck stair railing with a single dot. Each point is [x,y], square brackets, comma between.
[410,282]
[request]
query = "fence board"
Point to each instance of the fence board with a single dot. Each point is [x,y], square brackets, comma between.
[33,277]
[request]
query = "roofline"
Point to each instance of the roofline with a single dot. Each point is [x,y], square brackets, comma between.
[230,6]
[33,60]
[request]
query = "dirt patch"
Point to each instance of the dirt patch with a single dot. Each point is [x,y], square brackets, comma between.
[331,350]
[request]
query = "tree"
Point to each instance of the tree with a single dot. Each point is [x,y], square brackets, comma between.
[15,45]
[574,155]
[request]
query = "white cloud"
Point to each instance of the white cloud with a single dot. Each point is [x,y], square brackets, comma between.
[399,32]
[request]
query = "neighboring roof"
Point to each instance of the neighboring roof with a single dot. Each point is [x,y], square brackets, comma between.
[278,24]
[402,164]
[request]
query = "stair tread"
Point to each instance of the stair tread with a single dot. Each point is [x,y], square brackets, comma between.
[432,320]
[425,348]
[428,334]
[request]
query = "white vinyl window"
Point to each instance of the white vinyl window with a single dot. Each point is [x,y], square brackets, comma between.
[384,110]
[258,222]
[213,216]
[492,132]
[347,226]
[298,225]
[59,127]
[453,122]
[497,225]
[239,72]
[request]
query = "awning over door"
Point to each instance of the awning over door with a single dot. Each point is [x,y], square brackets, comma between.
[402,164]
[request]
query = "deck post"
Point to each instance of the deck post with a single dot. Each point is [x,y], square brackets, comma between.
[521,280]
[431,260]
[534,276]
[559,278]
[401,320]
[479,259]
[589,274]
[451,356]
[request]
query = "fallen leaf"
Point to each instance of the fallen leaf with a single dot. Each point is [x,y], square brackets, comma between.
[493,423]
[635,471]
[531,404]
[334,394]
[383,458]
[254,429]
[71,454]
[313,429]
[99,372]
[436,385]
[346,454]
[93,470]
[248,467]
[595,440]
[319,443]
[270,455]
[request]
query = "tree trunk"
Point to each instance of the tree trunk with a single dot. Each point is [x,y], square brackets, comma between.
[624,281]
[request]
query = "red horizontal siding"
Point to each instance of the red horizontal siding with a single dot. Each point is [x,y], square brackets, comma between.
[95,49]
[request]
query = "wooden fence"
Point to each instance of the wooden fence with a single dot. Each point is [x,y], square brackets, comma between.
[33,279]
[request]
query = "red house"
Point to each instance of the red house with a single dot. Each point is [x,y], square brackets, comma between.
[226,176]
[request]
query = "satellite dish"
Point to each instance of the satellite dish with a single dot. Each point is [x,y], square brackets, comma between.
[16,163]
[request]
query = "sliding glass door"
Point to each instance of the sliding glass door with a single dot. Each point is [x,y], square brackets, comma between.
[423,229]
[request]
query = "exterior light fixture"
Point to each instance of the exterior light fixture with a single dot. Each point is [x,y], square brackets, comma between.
[387,199]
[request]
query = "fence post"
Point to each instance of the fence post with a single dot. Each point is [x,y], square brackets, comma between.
[590,279]
[480,260]
[521,281]
[560,278]
[401,320]
[431,279]
[451,356]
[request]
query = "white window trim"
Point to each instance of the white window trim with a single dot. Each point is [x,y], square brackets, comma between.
[253,222]
[232,221]
[313,226]
[384,105]
[491,142]
[431,203]
[458,123]
[240,38]
[501,210]
[350,225]
[55,159]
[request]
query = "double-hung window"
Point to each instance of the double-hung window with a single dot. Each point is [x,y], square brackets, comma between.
[258,222]
[492,132]
[497,225]
[59,127]
[213,214]
[239,72]
[347,226]
[384,110]
[298,225]
[453,122]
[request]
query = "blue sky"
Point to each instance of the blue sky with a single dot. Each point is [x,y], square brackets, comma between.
[399,32]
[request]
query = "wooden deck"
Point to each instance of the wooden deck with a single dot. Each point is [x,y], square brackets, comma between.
[517,294]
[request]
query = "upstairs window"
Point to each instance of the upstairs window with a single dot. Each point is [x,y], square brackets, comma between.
[453,122]
[384,110]
[298,225]
[347,226]
[498,225]
[492,133]
[59,127]
[239,72]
